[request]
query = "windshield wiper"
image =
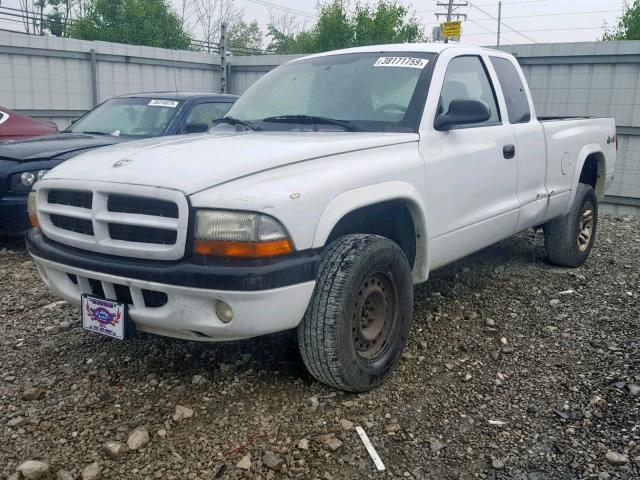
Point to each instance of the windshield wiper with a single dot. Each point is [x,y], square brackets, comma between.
[94,133]
[312,119]
[237,121]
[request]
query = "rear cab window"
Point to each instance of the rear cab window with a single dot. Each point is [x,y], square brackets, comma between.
[515,94]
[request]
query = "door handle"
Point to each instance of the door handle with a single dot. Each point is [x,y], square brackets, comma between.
[509,151]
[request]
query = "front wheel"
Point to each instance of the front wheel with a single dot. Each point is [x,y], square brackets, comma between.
[357,322]
[569,239]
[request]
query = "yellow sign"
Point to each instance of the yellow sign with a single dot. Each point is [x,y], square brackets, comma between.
[451,29]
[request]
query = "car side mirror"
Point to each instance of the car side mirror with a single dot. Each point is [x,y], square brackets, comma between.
[463,112]
[196,127]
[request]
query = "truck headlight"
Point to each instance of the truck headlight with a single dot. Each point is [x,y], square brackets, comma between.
[24,182]
[239,234]
[31,209]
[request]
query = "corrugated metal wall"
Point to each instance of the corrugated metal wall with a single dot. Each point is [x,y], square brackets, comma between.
[59,78]
[600,79]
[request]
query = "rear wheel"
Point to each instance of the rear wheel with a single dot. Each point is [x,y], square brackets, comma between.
[569,239]
[357,323]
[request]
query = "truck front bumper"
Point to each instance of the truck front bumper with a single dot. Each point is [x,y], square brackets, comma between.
[178,299]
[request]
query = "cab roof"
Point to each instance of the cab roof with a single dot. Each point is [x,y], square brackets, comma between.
[397,47]
[178,95]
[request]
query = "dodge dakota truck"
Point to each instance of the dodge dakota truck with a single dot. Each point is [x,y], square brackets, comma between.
[333,185]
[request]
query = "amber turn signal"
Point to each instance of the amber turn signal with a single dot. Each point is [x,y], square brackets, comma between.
[31,208]
[220,248]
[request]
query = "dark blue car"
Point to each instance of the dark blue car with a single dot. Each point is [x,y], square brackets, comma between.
[119,119]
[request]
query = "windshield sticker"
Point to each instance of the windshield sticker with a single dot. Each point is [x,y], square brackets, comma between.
[163,103]
[404,62]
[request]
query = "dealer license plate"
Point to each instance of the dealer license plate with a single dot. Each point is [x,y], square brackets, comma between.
[104,316]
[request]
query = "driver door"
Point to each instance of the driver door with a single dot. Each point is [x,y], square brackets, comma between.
[471,173]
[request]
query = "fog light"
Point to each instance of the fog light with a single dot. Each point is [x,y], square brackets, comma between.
[224,311]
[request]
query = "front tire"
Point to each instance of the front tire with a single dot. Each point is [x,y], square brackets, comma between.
[569,239]
[357,322]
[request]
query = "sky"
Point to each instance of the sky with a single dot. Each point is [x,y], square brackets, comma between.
[525,21]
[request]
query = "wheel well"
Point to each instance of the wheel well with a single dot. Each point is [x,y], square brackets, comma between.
[391,219]
[593,172]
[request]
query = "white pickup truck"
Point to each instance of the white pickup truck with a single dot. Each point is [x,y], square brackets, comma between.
[335,183]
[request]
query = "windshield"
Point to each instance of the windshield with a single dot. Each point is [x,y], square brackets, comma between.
[134,117]
[369,91]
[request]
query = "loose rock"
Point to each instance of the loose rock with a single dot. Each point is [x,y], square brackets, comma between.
[138,438]
[182,413]
[114,450]
[244,463]
[33,469]
[271,460]
[32,393]
[91,471]
[616,459]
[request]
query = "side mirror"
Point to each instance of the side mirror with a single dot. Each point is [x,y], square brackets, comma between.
[196,127]
[463,112]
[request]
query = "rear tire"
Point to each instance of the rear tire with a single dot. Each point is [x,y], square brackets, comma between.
[569,239]
[358,320]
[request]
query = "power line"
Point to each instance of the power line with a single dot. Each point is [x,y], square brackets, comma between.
[489,31]
[552,14]
[512,3]
[508,26]
[545,30]
[295,11]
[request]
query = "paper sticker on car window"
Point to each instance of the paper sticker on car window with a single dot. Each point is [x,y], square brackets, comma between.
[405,62]
[163,103]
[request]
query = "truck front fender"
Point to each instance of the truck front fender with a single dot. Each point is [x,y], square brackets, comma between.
[351,200]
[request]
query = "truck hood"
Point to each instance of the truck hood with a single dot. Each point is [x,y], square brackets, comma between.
[52,146]
[194,163]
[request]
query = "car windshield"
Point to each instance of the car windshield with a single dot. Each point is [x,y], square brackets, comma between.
[131,117]
[354,92]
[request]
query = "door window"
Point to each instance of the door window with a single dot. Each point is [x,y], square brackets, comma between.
[208,112]
[467,79]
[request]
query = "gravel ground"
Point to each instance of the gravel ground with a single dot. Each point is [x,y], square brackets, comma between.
[515,369]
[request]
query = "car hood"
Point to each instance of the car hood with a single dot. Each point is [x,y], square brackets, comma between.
[52,146]
[194,163]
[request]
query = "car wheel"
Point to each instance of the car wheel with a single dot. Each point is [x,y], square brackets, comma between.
[569,239]
[357,322]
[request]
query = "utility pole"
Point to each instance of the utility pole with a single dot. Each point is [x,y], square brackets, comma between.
[499,21]
[451,6]
[223,57]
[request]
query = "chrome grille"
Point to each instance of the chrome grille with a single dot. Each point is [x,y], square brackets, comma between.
[117,219]
[78,225]
[73,198]
[134,233]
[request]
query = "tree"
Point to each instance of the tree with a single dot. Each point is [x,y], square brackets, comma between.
[209,15]
[337,27]
[387,23]
[628,27]
[245,38]
[135,22]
